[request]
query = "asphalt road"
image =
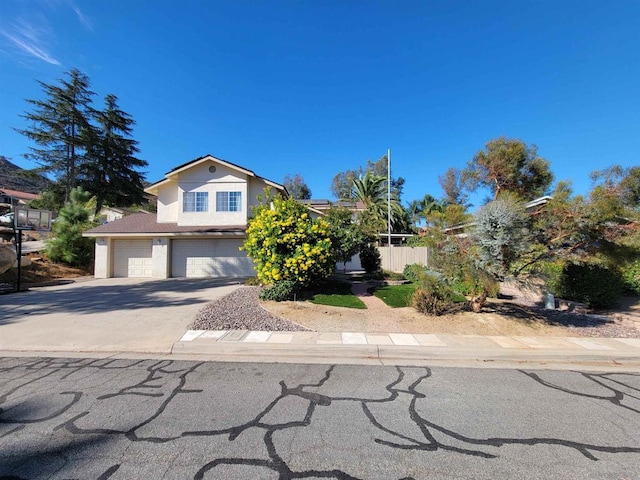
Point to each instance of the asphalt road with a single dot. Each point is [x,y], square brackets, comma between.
[123,419]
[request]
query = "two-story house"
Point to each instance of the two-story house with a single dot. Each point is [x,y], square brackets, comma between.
[203,208]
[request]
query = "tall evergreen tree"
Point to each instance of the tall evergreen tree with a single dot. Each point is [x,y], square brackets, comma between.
[110,170]
[59,127]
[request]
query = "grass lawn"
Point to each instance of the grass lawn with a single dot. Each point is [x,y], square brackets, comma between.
[400,295]
[396,295]
[337,294]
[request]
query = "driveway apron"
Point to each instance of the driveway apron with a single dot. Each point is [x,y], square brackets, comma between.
[106,315]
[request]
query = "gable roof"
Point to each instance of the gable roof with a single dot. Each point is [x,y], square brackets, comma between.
[18,194]
[141,224]
[209,158]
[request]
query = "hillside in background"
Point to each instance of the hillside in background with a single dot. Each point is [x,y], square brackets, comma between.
[15,178]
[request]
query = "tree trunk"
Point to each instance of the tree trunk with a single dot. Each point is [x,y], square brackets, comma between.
[476,303]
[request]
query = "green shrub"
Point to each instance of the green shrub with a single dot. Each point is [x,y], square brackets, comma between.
[412,271]
[280,291]
[473,281]
[370,259]
[388,275]
[285,243]
[433,296]
[631,277]
[594,285]
[430,303]
[552,274]
[66,243]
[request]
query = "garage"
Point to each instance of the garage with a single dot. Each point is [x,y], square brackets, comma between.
[132,258]
[209,258]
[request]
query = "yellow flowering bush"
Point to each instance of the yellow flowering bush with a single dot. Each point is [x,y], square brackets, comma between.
[286,244]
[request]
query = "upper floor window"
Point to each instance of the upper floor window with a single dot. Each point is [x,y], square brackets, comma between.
[228,201]
[195,202]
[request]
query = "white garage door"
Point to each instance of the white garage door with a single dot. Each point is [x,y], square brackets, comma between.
[132,258]
[209,258]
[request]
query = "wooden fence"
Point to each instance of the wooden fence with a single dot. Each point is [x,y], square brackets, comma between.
[395,258]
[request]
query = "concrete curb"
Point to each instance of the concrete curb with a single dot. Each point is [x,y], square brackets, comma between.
[368,348]
[406,355]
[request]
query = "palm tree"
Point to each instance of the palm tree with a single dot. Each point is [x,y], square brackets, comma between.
[415,211]
[371,190]
[431,207]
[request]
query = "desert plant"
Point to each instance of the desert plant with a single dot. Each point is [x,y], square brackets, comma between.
[502,234]
[456,260]
[432,296]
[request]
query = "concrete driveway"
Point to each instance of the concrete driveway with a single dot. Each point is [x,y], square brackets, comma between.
[105,315]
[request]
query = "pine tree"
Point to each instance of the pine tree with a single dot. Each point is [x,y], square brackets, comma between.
[66,244]
[60,124]
[109,171]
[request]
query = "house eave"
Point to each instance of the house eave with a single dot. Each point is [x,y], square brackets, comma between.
[208,158]
[172,174]
[165,234]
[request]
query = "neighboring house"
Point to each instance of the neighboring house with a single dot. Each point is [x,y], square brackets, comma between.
[397,239]
[109,214]
[203,208]
[323,205]
[16,198]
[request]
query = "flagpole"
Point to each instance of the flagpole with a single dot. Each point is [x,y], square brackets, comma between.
[389,206]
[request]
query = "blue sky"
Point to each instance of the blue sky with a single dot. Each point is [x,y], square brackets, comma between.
[318,87]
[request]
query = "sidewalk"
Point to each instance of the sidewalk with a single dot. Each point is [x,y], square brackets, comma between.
[130,318]
[411,349]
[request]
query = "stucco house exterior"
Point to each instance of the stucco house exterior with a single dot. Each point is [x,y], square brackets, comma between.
[203,209]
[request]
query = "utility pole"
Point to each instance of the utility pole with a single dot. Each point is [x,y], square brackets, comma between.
[389,207]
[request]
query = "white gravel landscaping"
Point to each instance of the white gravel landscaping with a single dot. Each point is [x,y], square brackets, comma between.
[241,310]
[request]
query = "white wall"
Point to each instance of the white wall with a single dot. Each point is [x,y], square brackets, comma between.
[160,257]
[224,179]
[199,179]
[168,203]
[256,187]
[102,265]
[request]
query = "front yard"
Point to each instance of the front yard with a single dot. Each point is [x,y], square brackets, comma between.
[327,313]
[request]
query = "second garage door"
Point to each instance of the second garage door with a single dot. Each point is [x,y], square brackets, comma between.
[209,258]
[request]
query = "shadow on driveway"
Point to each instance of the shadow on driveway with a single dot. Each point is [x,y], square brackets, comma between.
[105,295]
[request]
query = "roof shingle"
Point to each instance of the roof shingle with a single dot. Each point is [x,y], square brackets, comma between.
[148,223]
